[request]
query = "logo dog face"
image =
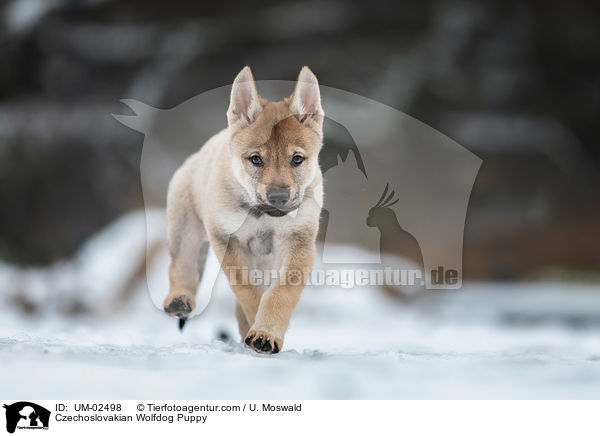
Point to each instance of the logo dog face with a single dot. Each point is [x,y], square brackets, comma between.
[275,145]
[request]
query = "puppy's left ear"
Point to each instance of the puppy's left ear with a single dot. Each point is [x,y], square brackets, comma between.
[305,103]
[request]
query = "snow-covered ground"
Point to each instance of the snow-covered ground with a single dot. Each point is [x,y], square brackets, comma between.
[485,341]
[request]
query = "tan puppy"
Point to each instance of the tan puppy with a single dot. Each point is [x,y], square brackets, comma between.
[254,193]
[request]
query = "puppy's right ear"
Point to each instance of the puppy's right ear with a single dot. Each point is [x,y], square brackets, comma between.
[244,105]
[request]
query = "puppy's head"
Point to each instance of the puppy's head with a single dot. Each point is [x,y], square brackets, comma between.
[275,145]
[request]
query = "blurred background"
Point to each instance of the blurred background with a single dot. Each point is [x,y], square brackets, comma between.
[517,83]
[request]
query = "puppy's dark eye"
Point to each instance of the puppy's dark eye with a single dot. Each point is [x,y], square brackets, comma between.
[256,160]
[297,160]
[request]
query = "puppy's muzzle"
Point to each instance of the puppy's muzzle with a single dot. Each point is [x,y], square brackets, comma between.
[278,197]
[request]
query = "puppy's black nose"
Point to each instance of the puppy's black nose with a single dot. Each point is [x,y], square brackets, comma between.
[278,196]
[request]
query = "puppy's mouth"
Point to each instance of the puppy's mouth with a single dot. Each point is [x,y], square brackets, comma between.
[273,211]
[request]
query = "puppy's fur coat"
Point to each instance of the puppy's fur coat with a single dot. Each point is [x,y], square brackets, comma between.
[254,193]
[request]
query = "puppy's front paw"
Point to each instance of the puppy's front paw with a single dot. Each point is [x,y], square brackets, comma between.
[179,304]
[263,341]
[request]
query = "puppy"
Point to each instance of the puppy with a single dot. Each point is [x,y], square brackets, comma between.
[253,192]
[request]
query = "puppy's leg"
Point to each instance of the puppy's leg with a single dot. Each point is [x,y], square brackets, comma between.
[229,253]
[188,247]
[277,304]
[243,325]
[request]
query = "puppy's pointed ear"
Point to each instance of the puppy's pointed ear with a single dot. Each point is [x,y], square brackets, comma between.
[244,105]
[306,100]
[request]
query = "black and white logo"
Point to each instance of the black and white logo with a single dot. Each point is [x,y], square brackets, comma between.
[26,415]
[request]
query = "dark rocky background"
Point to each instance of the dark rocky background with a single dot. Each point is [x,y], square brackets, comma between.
[518,83]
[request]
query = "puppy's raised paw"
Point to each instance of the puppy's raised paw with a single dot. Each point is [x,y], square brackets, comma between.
[179,304]
[263,342]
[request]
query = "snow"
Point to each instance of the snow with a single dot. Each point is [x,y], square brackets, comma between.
[519,340]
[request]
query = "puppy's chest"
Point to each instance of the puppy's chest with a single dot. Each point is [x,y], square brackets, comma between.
[259,241]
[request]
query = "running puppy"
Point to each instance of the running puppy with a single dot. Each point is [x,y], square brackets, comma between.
[254,193]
